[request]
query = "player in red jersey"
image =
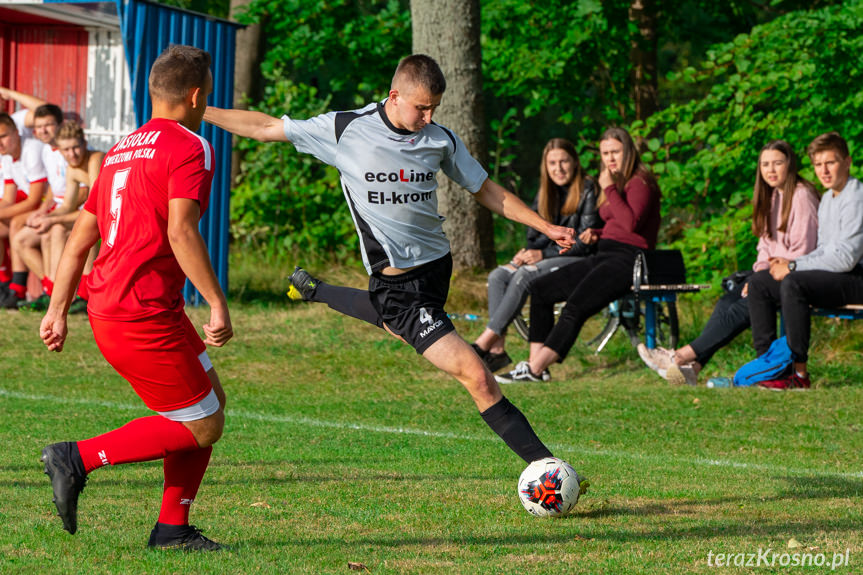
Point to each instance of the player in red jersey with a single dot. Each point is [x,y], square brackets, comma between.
[153,187]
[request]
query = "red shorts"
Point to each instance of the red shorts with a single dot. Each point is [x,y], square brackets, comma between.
[158,355]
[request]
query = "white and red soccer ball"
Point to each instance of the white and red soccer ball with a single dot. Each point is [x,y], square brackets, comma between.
[550,487]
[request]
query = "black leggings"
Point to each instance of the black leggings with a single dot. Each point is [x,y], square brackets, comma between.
[730,318]
[586,286]
[793,296]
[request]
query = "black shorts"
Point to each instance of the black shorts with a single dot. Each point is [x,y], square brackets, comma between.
[412,304]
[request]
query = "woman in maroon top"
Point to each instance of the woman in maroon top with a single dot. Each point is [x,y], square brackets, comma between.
[629,205]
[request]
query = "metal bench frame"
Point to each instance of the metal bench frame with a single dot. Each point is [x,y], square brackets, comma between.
[657,303]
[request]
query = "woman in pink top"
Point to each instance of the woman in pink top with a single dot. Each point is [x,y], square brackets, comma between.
[785,220]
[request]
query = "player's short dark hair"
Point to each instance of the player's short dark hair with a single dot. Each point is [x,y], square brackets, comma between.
[49,110]
[831,141]
[71,130]
[176,71]
[421,70]
[7,119]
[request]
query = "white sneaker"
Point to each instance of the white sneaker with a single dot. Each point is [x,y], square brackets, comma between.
[522,374]
[658,359]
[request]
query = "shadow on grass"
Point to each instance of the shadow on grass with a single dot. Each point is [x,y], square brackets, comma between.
[779,529]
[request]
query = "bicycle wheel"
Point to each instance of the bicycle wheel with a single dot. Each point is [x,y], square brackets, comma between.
[667,325]
[520,323]
[522,320]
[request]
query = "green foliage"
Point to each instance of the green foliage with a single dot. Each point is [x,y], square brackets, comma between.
[554,69]
[533,54]
[718,246]
[345,48]
[218,8]
[792,79]
[287,202]
[320,56]
[733,75]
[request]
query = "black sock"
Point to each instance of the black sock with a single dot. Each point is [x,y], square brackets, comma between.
[19,278]
[350,301]
[512,426]
[75,458]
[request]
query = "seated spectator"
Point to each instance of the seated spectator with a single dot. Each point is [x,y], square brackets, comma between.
[23,120]
[46,122]
[566,198]
[41,243]
[829,276]
[24,185]
[785,221]
[629,205]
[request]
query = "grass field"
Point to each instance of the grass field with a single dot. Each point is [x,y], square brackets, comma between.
[344,446]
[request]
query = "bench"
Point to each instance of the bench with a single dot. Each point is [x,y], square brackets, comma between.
[851,311]
[654,298]
[658,276]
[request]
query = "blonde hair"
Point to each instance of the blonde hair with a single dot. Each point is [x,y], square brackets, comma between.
[70,130]
[548,200]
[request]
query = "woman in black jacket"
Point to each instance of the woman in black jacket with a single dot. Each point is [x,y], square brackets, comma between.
[566,197]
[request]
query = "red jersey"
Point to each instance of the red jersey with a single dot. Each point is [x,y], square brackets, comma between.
[136,274]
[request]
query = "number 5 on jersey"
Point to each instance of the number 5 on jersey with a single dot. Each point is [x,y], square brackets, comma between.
[118,184]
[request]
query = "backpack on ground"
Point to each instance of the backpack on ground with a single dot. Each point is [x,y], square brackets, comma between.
[771,365]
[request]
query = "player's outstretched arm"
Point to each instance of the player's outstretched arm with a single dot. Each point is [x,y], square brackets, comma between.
[26,100]
[191,253]
[248,124]
[83,236]
[500,201]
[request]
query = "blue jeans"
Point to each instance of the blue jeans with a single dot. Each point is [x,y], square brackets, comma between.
[793,296]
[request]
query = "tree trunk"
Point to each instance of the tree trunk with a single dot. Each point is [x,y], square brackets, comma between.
[247,63]
[448,31]
[643,57]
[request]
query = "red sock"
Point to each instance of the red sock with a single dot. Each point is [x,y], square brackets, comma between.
[83,292]
[19,290]
[6,265]
[183,474]
[143,439]
[47,285]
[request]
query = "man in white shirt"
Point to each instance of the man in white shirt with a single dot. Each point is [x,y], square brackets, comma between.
[27,245]
[25,183]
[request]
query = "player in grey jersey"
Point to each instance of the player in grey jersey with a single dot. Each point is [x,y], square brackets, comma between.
[388,155]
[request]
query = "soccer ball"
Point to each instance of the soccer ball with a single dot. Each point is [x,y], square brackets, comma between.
[550,487]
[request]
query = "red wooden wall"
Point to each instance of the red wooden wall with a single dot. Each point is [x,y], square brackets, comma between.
[45,58]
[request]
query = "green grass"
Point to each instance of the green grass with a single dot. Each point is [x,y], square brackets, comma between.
[342,445]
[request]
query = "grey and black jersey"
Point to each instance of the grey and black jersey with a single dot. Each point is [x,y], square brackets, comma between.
[388,178]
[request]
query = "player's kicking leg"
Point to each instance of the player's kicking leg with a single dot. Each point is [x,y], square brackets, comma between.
[412,305]
[456,357]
